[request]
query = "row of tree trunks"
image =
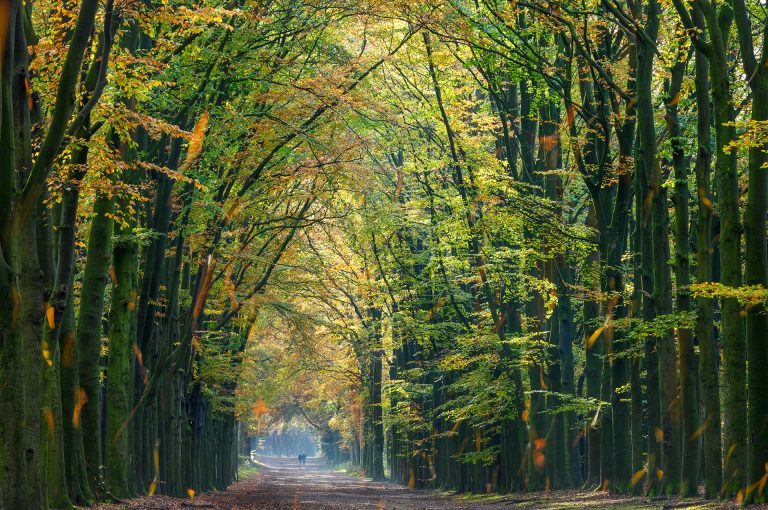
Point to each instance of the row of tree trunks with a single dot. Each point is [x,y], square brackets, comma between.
[661,420]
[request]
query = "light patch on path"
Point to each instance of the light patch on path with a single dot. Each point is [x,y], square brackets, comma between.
[313,487]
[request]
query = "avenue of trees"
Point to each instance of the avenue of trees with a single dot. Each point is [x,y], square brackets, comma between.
[483,246]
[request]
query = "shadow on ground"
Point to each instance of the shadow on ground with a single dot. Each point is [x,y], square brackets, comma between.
[282,484]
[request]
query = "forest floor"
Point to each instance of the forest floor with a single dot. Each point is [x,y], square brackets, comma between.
[281,484]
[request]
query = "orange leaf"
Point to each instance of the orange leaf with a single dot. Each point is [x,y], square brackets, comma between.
[81,398]
[5,22]
[50,314]
[196,140]
[132,300]
[69,346]
[49,419]
[696,433]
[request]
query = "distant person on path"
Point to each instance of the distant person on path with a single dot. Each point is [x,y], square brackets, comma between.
[299,459]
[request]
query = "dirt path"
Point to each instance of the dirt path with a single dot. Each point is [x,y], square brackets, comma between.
[281,484]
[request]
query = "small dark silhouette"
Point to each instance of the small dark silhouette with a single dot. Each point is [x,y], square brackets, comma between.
[302,459]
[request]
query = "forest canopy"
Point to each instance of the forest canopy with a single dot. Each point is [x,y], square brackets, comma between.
[484,246]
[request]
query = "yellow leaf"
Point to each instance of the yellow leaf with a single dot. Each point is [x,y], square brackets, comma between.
[705,199]
[647,204]
[594,336]
[47,354]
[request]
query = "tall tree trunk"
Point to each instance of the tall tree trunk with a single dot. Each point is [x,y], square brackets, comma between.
[119,381]
[89,328]
[618,361]
[732,324]
[377,445]
[71,401]
[756,255]
[757,274]
[592,367]
[31,285]
[659,400]
[11,338]
[688,376]
[709,374]
[572,467]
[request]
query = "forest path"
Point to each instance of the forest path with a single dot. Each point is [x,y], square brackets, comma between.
[281,484]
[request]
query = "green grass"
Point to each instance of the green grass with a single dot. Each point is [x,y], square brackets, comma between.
[246,469]
[349,469]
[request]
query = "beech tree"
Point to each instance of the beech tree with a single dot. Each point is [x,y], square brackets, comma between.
[477,246]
